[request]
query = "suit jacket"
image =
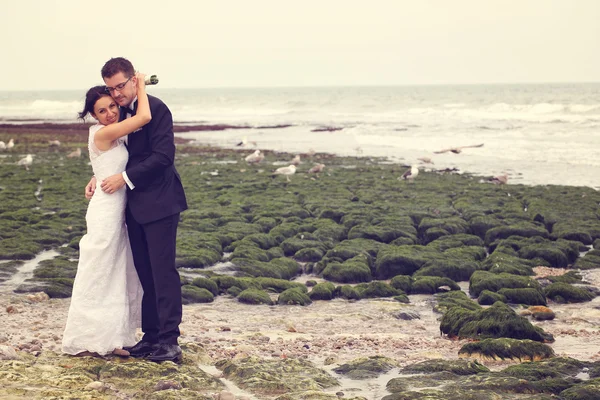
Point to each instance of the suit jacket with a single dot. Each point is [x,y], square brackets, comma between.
[158,191]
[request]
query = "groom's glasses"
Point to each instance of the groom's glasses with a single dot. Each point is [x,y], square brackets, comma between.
[119,87]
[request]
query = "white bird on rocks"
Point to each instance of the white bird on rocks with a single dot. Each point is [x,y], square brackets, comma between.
[296,160]
[75,154]
[26,161]
[255,157]
[2,145]
[411,174]
[425,160]
[10,144]
[316,169]
[53,143]
[286,171]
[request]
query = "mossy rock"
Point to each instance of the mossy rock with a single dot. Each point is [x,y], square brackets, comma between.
[402,282]
[457,367]
[456,241]
[497,321]
[402,260]
[347,292]
[271,377]
[382,233]
[224,282]
[354,270]
[279,268]
[432,284]
[194,294]
[351,248]
[322,291]
[278,285]
[254,296]
[507,349]
[524,229]
[573,230]
[590,261]
[207,284]
[587,390]
[555,256]
[528,296]
[502,261]
[234,291]
[200,258]
[480,225]
[311,254]
[484,280]
[249,252]
[457,270]
[293,245]
[366,367]
[377,289]
[565,293]
[487,298]
[446,301]
[294,296]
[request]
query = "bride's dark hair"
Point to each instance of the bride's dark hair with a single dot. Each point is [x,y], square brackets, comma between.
[91,97]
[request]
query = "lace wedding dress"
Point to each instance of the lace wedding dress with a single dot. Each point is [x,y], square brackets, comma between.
[106,302]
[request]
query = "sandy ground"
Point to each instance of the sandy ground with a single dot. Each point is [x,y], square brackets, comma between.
[327,333]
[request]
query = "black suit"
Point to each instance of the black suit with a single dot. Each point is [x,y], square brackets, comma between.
[152,215]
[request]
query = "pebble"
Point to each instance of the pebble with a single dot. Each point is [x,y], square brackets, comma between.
[96,385]
[8,353]
[12,309]
[225,395]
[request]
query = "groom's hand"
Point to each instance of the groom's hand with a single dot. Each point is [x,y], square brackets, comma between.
[112,183]
[90,188]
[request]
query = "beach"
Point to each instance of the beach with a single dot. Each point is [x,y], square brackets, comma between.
[357,225]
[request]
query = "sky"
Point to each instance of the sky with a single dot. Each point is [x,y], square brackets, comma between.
[62,44]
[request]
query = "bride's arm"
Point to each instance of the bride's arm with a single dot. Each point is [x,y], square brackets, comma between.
[143,115]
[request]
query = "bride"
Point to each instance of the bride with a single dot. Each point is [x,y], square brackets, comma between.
[105,306]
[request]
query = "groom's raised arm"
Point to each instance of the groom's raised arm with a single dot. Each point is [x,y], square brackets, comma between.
[162,143]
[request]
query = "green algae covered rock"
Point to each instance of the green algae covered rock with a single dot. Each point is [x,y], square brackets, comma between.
[524,229]
[590,261]
[432,284]
[354,270]
[497,321]
[402,282]
[377,289]
[587,390]
[366,367]
[457,367]
[194,294]
[446,301]
[505,348]
[57,376]
[254,296]
[314,395]
[347,292]
[565,293]
[322,291]
[484,280]
[401,260]
[272,377]
[208,284]
[294,296]
[487,298]
[528,296]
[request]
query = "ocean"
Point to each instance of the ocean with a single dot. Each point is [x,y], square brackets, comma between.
[536,133]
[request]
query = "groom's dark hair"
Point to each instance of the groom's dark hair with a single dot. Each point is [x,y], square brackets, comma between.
[116,65]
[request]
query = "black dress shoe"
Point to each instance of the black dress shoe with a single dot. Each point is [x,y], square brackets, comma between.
[142,349]
[166,352]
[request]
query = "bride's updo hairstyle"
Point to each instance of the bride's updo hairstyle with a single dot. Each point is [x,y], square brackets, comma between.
[91,97]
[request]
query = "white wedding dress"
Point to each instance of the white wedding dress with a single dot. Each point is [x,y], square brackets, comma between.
[106,302]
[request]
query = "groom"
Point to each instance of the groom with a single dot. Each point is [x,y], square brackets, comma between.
[154,201]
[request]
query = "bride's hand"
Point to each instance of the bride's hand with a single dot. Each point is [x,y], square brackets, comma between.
[141,80]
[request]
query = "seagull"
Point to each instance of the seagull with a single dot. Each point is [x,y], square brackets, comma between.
[316,169]
[457,150]
[53,143]
[243,142]
[10,144]
[255,157]
[411,173]
[287,171]
[75,154]
[296,160]
[425,160]
[500,179]
[2,145]
[26,161]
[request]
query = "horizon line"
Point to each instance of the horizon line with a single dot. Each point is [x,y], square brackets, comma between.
[333,86]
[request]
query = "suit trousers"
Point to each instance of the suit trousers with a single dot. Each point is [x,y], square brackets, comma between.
[153,248]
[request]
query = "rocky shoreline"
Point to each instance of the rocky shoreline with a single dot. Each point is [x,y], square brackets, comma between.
[345,283]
